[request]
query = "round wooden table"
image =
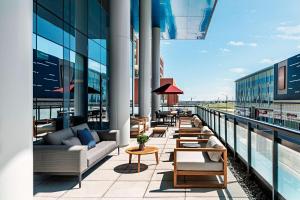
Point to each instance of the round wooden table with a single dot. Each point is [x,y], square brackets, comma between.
[147,150]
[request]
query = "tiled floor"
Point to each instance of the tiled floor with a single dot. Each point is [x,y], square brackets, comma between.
[115,179]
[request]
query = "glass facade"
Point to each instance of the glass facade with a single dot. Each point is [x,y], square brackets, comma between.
[70,63]
[257,88]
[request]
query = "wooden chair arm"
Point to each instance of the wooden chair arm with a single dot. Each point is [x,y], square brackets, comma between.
[201,149]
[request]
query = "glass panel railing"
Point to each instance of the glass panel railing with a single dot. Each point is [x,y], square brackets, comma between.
[261,156]
[217,125]
[288,173]
[242,142]
[230,137]
[222,128]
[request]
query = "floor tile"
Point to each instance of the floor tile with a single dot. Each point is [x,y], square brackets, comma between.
[89,189]
[132,175]
[163,189]
[103,175]
[53,188]
[162,175]
[127,189]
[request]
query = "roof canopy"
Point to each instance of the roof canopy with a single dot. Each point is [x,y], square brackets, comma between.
[178,19]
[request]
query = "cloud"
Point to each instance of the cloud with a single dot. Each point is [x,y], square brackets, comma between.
[298,47]
[288,32]
[236,43]
[203,51]
[241,43]
[224,50]
[237,70]
[252,44]
[267,61]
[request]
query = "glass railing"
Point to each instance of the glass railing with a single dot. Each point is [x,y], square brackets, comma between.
[270,152]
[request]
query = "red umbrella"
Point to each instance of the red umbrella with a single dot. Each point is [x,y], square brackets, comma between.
[71,89]
[168,89]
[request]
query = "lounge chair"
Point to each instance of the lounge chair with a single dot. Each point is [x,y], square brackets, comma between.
[137,126]
[208,160]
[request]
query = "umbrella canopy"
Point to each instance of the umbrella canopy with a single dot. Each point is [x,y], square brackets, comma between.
[71,89]
[168,89]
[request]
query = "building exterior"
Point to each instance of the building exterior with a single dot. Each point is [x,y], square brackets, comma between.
[71,59]
[272,94]
[170,100]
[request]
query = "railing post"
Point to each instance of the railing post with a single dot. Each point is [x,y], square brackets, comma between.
[214,120]
[50,112]
[234,137]
[249,147]
[225,127]
[219,124]
[275,166]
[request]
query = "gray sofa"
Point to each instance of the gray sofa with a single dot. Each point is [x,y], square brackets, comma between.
[51,156]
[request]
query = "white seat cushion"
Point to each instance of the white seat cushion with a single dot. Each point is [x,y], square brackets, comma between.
[213,142]
[196,161]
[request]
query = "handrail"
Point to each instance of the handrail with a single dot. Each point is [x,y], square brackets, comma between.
[285,133]
[275,134]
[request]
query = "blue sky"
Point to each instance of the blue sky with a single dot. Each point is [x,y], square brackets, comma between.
[244,36]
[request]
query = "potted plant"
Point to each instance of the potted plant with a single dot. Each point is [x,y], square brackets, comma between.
[142,139]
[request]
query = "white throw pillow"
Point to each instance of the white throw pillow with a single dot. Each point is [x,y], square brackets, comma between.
[197,123]
[213,142]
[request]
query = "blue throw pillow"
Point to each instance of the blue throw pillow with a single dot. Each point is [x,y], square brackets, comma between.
[86,138]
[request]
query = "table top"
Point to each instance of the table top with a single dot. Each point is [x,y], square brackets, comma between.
[147,150]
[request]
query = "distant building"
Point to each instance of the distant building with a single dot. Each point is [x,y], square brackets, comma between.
[170,100]
[272,94]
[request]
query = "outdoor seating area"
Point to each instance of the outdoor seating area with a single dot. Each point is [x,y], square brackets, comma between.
[164,169]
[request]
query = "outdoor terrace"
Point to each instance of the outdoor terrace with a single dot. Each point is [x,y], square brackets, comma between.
[114,178]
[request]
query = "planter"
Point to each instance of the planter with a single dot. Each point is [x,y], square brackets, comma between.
[141,147]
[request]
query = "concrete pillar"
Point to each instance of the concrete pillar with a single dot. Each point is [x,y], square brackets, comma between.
[145,58]
[16,121]
[119,70]
[155,68]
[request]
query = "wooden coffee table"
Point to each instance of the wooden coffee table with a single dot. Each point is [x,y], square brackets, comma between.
[147,150]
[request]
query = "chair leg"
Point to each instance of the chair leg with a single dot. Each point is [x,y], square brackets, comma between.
[118,150]
[79,180]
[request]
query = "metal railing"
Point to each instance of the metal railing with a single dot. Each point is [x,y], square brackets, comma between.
[271,152]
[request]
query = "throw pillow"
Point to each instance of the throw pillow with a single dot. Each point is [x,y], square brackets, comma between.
[86,138]
[213,142]
[95,136]
[72,141]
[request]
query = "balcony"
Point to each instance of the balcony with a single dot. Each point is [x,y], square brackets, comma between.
[114,178]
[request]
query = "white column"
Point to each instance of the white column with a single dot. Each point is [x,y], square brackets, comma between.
[16,122]
[155,68]
[145,59]
[119,70]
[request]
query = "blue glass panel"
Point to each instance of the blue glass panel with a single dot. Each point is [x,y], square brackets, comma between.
[94,50]
[49,26]
[261,156]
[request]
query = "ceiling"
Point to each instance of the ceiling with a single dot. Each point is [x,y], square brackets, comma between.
[178,19]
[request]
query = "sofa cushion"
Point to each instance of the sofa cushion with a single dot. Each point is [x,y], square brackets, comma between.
[86,138]
[95,136]
[205,129]
[101,150]
[136,127]
[72,141]
[75,129]
[197,123]
[213,142]
[196,161]
[57,137]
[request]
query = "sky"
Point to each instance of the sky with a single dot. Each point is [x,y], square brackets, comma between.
[244,36]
